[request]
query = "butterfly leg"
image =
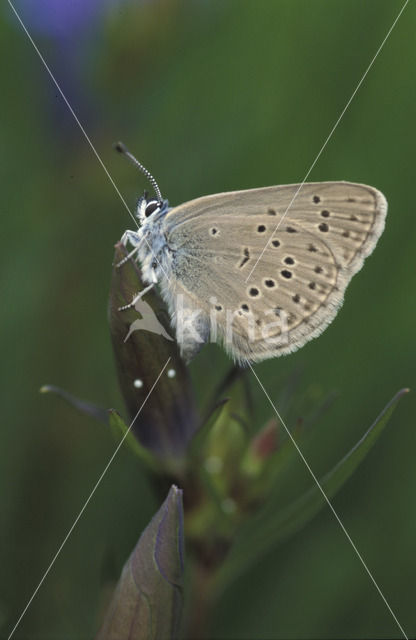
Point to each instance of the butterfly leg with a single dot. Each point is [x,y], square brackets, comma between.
[129,237]
[136,298]
[126,258]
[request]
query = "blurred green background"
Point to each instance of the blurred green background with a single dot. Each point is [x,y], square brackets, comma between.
[211,96]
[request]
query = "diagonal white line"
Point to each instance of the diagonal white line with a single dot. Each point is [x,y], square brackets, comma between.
[71,110]
[86,503]
[258,380]
[329,135]
[329,503]
[86,136]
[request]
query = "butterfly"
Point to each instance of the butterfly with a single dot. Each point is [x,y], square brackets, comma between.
[262,271]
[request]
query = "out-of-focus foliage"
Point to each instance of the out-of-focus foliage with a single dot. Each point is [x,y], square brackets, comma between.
[211,96]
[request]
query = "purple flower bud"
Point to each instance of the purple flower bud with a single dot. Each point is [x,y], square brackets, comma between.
[144,346]
[147,602]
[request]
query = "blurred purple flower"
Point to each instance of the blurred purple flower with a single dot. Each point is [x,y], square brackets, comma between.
[61,18]
[71,26]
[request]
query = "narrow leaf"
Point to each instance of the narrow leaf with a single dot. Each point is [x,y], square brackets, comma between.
[120,428]
[87,408]
[272,527]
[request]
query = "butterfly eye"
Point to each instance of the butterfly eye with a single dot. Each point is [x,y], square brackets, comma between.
[151,207]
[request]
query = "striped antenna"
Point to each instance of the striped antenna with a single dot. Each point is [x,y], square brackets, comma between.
[121,148]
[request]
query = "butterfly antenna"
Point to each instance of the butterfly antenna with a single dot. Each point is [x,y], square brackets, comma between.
[121,148]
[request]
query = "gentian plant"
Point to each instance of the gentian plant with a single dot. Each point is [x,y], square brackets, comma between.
[219,485]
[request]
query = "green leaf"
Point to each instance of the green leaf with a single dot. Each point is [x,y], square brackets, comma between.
[272,527]
[87,408]
[201,434]
[233,375]
[147,602]
[120,428]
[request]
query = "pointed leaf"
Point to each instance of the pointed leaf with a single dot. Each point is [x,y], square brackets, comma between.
[81,405]
[272,527]
[120,428]
[233,375]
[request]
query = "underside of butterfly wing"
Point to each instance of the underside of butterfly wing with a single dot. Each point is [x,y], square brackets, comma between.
[267,269]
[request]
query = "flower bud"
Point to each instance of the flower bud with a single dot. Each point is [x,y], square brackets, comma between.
[144,345]
[147,602]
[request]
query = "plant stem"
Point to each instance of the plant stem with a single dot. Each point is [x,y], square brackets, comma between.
[201,596]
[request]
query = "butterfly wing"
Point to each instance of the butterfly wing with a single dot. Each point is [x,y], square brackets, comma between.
[270,266]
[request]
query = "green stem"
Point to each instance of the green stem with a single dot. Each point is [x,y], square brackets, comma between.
[201,602]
